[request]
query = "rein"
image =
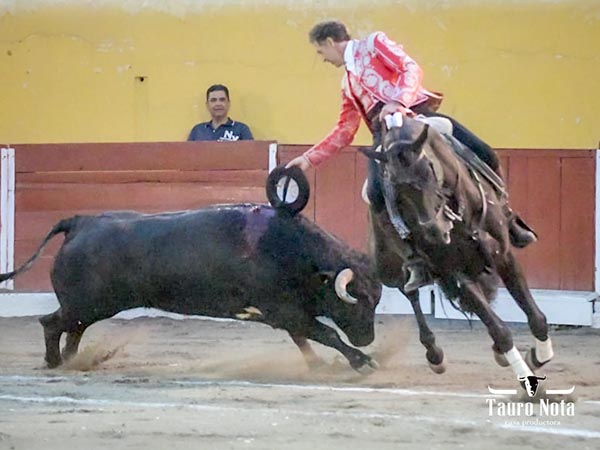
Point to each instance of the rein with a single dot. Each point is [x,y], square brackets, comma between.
[484,201]
[446,193]
[393,213]
[484,207]
[453,216]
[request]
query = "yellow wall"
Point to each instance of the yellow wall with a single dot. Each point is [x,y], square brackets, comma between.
[520,73]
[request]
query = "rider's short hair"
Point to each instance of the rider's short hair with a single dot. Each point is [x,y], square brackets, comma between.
[217,87]
[333,29]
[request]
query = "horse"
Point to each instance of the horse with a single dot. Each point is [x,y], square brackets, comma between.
[427,204]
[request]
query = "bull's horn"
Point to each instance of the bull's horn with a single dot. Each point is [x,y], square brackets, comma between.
[341,281]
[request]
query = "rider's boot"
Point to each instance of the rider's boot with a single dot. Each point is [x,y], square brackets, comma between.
[415,268]
[521,234]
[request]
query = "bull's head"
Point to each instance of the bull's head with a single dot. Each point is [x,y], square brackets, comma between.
[341,286]
[409,181]
[358,295]
[531,383]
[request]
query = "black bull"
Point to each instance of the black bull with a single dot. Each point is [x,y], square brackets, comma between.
[245,261]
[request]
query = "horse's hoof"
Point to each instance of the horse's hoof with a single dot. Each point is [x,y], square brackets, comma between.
[438,368]
[368,368]
[532,361]
[501,359]
[436,359]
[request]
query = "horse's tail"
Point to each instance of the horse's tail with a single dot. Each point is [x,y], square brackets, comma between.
[63,226]
[452,291]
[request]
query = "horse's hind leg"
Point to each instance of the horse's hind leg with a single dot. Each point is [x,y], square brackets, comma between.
[435,355]
[472,297]
[514,279]
[53,329]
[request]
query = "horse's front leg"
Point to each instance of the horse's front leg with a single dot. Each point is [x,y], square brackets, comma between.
[472,297]
[434,354]
[513,277]
[390,257]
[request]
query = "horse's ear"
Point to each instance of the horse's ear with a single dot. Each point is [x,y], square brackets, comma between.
[416,146]
[372,153]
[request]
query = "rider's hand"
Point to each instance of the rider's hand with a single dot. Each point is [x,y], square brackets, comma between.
[393,107]
[300,161]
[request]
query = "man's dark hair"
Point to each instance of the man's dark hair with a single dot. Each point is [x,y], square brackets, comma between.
[333,29]
[217,87]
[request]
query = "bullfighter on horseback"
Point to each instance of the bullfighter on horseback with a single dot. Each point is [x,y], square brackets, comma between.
[381,79]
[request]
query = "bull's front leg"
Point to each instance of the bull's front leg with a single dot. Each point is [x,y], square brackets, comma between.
[313,361]
[328,336]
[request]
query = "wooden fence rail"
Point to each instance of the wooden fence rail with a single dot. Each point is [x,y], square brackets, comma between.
[554,190]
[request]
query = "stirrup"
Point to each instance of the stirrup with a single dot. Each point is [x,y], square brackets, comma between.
[418,278]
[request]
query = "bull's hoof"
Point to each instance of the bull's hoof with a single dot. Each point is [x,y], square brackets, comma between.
[438,368]
[53,363]
[316,365]
[368,367]
[532,361]
[501,359]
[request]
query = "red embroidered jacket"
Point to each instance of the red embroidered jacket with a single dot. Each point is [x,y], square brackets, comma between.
[377,70]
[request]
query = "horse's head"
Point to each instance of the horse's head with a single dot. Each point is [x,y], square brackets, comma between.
[411,180]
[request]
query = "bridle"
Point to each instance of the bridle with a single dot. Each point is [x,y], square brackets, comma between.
[444,193]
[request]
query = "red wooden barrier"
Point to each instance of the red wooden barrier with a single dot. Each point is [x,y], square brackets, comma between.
[59,180]
[552,189]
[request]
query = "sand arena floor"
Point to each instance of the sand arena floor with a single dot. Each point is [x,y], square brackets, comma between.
[158,383]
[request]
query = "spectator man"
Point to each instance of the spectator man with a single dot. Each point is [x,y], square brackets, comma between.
[220,127]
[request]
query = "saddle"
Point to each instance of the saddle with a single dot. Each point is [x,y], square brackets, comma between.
[373,194]
[475,163]
[466,155]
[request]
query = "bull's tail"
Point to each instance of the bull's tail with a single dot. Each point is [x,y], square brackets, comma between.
[61,227]
[282,196]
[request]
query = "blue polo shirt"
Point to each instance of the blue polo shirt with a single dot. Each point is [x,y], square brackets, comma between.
[229,131]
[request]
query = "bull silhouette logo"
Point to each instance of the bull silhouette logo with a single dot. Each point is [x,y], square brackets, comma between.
[531,383]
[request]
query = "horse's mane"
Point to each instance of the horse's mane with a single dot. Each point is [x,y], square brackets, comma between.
[457,176]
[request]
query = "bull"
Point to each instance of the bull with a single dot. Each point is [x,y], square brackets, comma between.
[244,261]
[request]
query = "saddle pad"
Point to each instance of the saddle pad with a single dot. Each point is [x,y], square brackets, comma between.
[474,162]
